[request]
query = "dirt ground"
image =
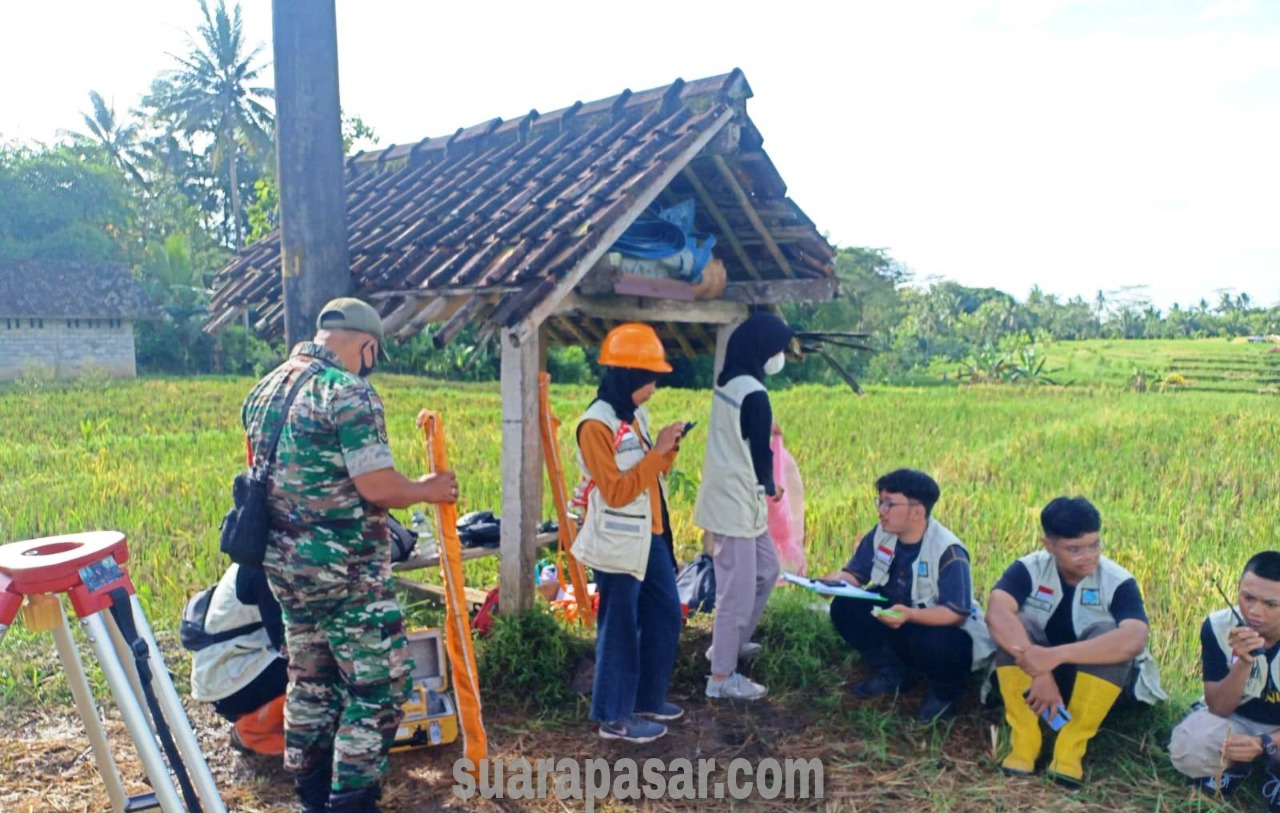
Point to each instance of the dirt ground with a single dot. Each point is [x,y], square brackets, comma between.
[872,760]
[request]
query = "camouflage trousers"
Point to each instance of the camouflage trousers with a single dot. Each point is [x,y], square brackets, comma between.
[348,672]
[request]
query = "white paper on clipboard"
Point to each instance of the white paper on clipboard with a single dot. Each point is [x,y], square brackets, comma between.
[845,590]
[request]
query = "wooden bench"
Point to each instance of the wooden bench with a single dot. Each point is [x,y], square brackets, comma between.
[420,561]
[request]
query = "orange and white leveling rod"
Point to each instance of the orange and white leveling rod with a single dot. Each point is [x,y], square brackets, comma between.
[462,657]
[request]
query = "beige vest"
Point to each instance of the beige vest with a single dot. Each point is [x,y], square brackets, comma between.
[924,580]
[616,539]
[220,670]
[1091,605]
[1222,622]
[730,501]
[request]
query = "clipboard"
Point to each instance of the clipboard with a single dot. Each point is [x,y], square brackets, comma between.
[845,590]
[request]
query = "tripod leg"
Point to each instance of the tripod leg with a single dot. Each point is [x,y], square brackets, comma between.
[130,705]
[88,708]
[179,723]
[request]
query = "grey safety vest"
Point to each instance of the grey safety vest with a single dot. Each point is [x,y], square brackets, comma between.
[730,500]
[924,580]
[616,539]
[1091,605]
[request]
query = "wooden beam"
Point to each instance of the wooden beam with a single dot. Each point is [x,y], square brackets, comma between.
[640,309]
[685,347]
[643,197]
[451,290]
[776,291]
[745,202]
[521,472]
[475,597]
[569,327]
[704,197]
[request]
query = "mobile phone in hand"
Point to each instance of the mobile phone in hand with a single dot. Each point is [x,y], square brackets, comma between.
[830,582]
[688,425]
[1056,718]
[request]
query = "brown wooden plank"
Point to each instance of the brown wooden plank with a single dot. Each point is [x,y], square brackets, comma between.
[685,347]
[704,197]
[656,287]
[750,211]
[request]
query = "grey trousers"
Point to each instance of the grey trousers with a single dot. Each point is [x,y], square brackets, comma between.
[1196,746]
[1117,674]
[746,570]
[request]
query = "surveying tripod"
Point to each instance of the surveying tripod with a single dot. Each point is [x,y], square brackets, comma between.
[88,568]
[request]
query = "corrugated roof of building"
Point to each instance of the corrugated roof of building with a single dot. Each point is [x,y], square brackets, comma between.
[491,221]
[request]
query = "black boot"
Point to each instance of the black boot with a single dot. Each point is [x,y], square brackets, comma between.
[313,788]
[364,800]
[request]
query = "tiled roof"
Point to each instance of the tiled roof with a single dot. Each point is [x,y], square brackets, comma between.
[72,289]
[484,223]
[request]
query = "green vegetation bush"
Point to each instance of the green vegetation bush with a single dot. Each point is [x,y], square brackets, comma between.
[528,662]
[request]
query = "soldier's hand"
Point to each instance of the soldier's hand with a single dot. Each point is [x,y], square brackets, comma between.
[669,438]
[441,487]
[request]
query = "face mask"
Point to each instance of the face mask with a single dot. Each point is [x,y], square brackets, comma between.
[775,364]
[366,367]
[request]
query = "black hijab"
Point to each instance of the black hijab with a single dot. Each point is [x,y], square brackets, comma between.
[761,337]
[618,384]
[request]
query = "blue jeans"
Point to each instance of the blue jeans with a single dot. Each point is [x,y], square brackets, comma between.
[637,632]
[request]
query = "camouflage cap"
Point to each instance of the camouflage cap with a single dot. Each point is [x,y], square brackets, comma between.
[349,313]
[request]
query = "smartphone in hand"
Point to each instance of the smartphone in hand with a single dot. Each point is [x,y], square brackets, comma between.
[688,425]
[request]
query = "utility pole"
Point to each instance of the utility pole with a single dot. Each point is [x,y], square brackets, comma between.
[313,205]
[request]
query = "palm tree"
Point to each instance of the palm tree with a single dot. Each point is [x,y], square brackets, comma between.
[214,92]
[117,140]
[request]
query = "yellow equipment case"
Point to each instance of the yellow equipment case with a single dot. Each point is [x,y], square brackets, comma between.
[430,714]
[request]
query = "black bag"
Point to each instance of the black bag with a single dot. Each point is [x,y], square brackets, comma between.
[479,529]
[696,585]
[245,527]
[192,631]
[403,541]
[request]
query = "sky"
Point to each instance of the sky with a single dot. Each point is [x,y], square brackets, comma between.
[1074,145]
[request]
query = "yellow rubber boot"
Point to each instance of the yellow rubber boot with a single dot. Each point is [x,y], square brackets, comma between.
[1091,699]
[1024,725]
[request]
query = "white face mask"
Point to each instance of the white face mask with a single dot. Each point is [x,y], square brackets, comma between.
[775,364]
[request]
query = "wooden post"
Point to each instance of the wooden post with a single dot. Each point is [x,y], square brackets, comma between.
[314,263]
[521,472]
[722,342]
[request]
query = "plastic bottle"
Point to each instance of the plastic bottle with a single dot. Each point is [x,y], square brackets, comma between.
[426,535]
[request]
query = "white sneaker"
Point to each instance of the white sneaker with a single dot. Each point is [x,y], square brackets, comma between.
[735,687]
[745,652]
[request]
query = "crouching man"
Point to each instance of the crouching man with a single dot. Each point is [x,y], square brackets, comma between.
[933,627]
[235,632]
[1239,724]
[1072,635]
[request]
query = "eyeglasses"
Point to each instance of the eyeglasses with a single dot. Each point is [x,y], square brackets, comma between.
[889,505]
[1076,551]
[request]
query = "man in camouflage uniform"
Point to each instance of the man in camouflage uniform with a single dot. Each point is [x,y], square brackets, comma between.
[329,558]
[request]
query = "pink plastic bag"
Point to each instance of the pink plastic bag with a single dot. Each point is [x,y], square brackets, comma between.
[786,516]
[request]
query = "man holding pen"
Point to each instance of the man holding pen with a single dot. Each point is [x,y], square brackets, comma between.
[932,627]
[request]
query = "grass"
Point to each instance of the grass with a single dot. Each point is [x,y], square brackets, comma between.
[1186,485]
[1214,365]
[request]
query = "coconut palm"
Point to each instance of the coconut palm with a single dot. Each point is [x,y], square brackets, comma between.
[116,139]
[214,91]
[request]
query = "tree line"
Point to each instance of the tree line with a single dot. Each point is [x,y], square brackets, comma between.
[177,185]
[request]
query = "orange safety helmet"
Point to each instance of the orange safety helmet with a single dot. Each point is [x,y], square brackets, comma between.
[634,345]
